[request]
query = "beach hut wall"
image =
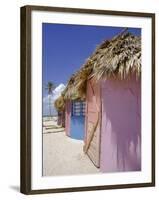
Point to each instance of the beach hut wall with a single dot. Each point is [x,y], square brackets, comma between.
[92,122]
[121,125]
[113,124]
[67,117]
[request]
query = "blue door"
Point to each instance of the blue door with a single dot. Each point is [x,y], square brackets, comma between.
[78,120]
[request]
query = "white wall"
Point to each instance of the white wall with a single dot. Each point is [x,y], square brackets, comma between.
[9,101]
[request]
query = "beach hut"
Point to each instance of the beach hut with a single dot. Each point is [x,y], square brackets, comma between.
[61,118]
[74,111]
[111,81]
[60,107]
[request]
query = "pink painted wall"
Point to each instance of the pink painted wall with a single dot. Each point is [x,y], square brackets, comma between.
[121,125]
[86,118]
[93,106]
[67,117]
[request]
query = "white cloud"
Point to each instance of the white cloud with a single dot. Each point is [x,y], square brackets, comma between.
[55,94]
[57,91]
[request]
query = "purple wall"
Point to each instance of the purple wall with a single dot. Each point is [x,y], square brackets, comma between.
[67,117]
[93,107]
[121,126]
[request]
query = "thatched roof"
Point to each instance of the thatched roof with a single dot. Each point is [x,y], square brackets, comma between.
[71,92]
[59,103]
[116,58]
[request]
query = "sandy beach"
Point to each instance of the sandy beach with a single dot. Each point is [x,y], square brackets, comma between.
[63,155]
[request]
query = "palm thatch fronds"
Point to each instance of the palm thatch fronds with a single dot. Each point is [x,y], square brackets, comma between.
[116,58]
[119,59]
[60,104]
[82,77]
[71,91]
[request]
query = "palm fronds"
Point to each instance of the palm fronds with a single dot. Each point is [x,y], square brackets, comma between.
[117,58]
[59,104]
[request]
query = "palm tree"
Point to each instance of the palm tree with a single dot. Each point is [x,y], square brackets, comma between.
[50,87]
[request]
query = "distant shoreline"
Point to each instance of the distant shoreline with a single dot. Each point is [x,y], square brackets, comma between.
[49,116]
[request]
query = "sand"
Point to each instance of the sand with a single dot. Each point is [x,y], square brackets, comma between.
[63,155]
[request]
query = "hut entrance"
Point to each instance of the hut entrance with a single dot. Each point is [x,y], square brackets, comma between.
[92,138]
[77,120]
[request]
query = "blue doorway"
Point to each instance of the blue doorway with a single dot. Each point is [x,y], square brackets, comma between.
[78,120]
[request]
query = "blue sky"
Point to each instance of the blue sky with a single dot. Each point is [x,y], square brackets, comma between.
[66,47]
